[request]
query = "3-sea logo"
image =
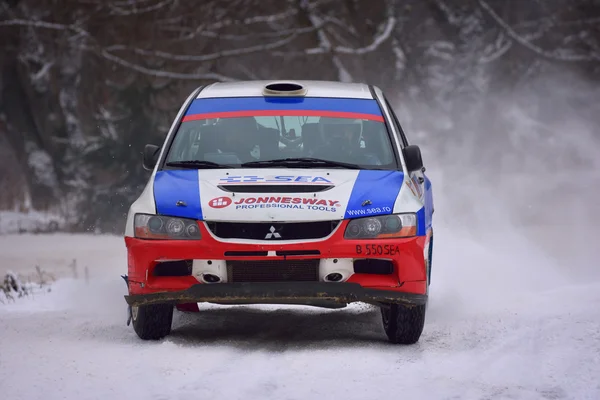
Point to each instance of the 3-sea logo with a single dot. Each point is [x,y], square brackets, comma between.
[288,179]
[220,202]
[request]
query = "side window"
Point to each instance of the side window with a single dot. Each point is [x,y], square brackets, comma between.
[396,123]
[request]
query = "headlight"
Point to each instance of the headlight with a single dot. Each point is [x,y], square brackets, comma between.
[160,227]
[380,227]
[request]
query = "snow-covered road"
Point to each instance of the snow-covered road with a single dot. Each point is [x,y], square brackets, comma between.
[509,318]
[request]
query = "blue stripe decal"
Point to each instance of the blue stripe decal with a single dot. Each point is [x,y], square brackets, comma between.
[428,203]
[421,229]
[173,186]
[381,188]
[227,104]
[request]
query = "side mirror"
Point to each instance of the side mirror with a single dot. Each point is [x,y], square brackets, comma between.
[412,157]
[151,153]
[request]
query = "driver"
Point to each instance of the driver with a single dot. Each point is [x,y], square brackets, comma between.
[341,141]
[237,136]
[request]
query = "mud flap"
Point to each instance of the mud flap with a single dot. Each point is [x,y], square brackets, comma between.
[430,260]
[187,307]
[129,310]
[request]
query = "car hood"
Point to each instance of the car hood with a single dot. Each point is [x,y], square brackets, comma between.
[284,194]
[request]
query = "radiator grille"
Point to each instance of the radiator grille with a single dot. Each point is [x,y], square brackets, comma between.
[272,231]
[273,271]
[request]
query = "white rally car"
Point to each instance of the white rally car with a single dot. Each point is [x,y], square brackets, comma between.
[303,192]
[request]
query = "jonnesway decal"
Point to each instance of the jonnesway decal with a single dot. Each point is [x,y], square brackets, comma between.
[315,180]
[276,202]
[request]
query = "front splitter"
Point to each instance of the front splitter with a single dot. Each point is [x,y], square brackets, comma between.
[296,292]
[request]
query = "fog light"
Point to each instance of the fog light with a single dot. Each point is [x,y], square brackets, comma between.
[210,278]
[334,277]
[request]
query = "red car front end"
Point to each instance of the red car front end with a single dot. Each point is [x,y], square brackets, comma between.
[166,270]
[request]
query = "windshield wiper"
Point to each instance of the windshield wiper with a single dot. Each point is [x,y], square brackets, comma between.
[198,164]
[300,162]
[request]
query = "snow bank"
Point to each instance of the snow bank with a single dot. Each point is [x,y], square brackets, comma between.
[60,255]
[34,221]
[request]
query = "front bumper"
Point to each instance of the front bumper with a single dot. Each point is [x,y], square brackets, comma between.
[409,276]
[284,292]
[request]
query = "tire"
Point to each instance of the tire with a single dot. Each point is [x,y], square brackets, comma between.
[403,324]
[152,322]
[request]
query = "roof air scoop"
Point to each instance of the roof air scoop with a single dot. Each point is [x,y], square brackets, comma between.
[284,89]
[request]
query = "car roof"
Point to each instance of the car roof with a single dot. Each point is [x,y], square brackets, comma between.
[314,89]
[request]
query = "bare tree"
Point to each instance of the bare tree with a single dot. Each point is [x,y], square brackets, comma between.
[86,83]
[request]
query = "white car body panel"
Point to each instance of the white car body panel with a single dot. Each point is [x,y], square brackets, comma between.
[314,89]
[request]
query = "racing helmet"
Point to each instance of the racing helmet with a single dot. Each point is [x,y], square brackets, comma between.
[340,131]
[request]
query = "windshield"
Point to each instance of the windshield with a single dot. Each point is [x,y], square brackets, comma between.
[235,131]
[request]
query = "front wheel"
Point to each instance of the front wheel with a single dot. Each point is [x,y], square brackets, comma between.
[403,324]
[152,322]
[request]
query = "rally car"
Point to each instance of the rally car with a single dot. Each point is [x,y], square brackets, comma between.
[286,192]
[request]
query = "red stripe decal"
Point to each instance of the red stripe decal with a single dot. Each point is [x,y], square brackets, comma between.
[282,113]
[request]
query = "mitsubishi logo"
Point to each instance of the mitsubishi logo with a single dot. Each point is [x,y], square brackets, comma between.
[272,234]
